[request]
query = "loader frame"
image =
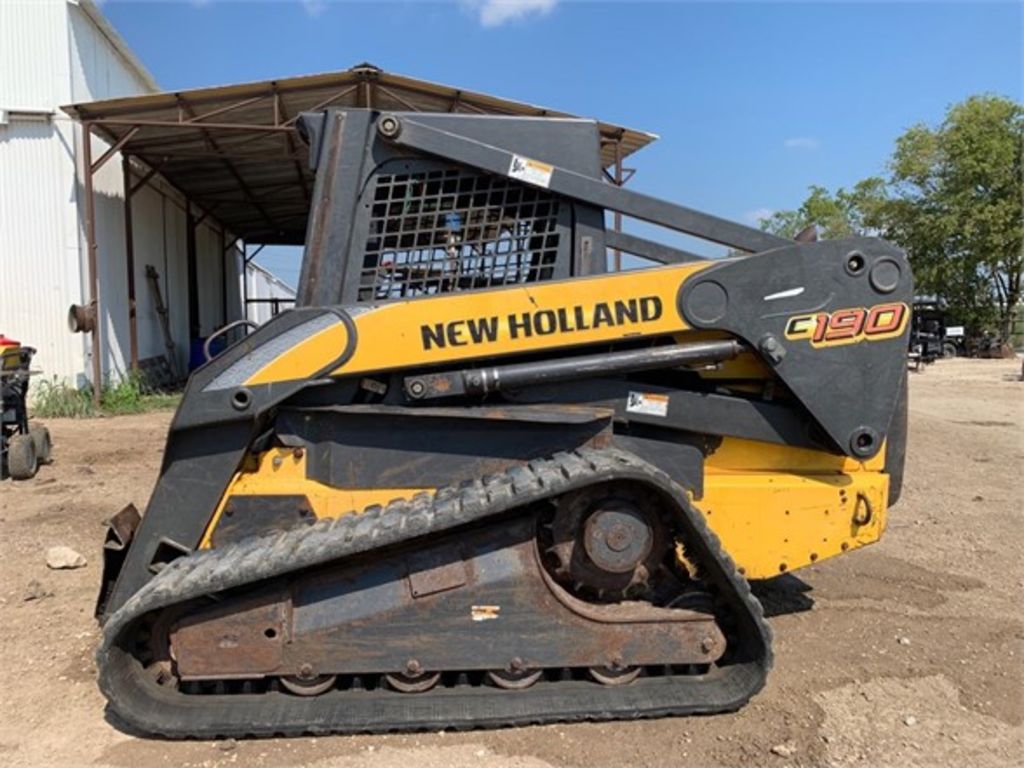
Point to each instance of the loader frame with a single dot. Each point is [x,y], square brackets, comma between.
[228,401]
[459,352]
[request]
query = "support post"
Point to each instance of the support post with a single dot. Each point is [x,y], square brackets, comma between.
[129,251]
[193,275]
[223,279]
[617,218]
[94,278]
[245,281]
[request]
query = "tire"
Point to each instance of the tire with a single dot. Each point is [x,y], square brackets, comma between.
[44,446]
[21,457]
[948,350]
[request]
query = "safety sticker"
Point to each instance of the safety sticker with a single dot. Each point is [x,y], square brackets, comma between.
[647,403]
[484,612]
[531,171]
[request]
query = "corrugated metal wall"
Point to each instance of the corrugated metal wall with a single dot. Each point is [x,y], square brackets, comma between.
[33,54]
[263,285]
[39,252]
[52,53]
[39,235]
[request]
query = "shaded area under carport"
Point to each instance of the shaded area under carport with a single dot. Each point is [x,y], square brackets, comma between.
[234,154]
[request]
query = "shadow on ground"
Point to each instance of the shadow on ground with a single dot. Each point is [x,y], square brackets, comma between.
[783,595]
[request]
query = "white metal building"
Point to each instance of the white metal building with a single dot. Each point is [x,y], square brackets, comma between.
[58,52]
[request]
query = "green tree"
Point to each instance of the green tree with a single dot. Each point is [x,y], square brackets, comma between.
[839,215]
[954,200]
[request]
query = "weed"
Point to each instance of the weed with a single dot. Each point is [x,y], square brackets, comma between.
[59,399]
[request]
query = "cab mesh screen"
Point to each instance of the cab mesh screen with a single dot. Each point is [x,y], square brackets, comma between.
[452,230]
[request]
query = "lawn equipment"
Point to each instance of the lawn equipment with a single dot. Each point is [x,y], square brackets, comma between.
[23,447]
[474,479]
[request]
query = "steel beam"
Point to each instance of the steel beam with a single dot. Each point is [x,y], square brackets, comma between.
[94,278]
[234,172]
[648,249]
[129,252]
[115,147]
[186,124]
[617,223]
[561,181]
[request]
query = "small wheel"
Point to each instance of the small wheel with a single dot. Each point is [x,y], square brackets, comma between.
[514,681]
[312,687]
[44,446]
[948,350]
[413,683]
[21,457]
[609,676]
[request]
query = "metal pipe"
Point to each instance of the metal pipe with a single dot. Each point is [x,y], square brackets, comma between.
[90,246]
[480,381]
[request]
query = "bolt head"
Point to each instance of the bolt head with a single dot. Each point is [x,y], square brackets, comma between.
[618,538]
[389,126]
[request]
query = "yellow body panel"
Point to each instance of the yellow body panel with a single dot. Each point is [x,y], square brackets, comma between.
[776,508]
[773,522]
[282,472]
[771,518]
[391,336]
[737,455]
[305,359]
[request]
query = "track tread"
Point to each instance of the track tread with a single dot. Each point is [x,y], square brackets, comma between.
[259,558]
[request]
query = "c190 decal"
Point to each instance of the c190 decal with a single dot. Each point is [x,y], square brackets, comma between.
[849,326]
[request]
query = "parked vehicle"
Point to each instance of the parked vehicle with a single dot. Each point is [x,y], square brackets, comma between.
[22,447]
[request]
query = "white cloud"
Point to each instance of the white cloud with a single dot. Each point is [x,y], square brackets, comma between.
[314,8]
[494,13]
[801,142]
[755,216]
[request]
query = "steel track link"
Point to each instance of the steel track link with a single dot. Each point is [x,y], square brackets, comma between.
[138,702]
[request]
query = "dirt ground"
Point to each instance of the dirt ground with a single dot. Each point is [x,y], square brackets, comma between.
[908,653]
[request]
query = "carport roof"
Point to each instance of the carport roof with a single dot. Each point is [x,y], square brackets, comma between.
[233,151]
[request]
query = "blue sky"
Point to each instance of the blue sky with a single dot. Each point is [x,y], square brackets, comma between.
[754,102]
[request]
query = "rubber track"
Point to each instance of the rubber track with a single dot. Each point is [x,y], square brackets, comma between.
[142,704]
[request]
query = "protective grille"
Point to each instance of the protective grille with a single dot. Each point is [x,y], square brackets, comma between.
[449,230]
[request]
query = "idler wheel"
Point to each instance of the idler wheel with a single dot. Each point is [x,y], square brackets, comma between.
[314,686]
[417,683]
[609,676]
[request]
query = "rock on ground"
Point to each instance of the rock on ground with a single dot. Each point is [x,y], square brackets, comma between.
[61,557]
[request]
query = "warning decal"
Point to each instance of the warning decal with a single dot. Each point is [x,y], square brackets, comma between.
[531,171]
[647,403]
